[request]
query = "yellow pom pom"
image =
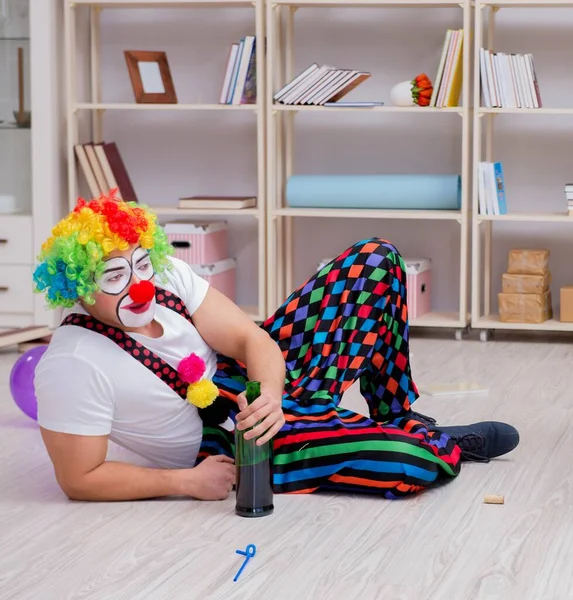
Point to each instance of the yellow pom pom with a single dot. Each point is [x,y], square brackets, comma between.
[202,393]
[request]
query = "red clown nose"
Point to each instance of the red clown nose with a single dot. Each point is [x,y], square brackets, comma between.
[142,292]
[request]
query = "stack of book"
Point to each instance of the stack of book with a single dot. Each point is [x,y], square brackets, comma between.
[508,80]
[316,86]
[491,189]
[104,170]
[448,82]
[569,198]
[240,82]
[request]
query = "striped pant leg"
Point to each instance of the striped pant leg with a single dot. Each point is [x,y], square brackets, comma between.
[324,447]
[350,322]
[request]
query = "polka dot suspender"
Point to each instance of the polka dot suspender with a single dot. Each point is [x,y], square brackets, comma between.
[147,358]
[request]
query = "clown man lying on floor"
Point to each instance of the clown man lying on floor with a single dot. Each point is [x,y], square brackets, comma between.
[148,355]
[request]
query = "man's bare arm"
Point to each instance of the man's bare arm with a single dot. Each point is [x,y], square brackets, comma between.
[84,474]
[228,330]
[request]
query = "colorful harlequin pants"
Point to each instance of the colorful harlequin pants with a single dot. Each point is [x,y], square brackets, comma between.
[348,323]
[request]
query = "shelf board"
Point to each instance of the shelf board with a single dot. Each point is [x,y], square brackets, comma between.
[526,111]
[493,322]
[371,3]
[370,213]
[389,108]
[161,4]
[531,217]
[174,211]
[527,3]
[14,39]
[438,319]
[134,106]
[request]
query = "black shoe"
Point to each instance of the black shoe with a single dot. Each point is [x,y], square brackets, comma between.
[428,422]
[481,442]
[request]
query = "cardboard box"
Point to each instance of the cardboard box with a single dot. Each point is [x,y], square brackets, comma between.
[528,262]
[566,310]
[517,283]
[525,308]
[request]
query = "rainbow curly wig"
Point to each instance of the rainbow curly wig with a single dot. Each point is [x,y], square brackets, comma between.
[71,260]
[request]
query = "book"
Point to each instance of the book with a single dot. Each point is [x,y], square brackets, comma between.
[449,76]
[218,202]
[87,170]
[104,170]
[508,80]
[107,170]
[240,80]
[491,189]
[13,337]
[300,77]
[120,173]
[318,86]
[244,60]
[249,94]
[96,168]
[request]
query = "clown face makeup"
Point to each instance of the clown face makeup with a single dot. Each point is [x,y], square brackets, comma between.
[129,278]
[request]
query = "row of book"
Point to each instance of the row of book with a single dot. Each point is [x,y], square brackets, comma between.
[240,82]
[448,82]
[104,170]
[491,189]
[508,80]
[318,86]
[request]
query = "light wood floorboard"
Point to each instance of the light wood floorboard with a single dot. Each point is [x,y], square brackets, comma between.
[441,545]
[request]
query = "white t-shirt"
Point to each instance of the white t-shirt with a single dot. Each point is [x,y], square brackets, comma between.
[87,385]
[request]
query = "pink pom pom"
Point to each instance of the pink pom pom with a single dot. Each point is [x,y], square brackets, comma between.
[191,368]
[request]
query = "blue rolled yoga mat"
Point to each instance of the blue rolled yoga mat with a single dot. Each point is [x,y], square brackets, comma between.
[418,192]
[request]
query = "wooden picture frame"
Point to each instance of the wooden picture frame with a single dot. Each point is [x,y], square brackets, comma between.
[150,77]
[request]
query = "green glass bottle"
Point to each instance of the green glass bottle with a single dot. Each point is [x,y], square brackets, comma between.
[254,466]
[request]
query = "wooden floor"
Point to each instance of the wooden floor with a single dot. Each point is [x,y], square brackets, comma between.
[444,544]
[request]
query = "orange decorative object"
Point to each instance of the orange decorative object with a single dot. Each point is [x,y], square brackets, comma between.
[422,90]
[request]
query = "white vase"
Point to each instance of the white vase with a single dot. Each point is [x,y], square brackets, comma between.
[401,94]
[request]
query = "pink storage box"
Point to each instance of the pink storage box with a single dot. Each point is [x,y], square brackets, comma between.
[221,275]
[419,285]
[198,243]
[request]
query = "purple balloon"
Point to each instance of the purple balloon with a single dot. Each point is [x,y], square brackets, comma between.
[22,381]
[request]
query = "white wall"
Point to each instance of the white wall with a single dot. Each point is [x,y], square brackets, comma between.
[170,154]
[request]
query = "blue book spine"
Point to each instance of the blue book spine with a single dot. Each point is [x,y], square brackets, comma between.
[235,72]
[500,188]
[250,89]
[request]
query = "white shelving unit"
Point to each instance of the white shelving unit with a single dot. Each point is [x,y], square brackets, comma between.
[482,316]
[96,108]
[280,153]
[23,232]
